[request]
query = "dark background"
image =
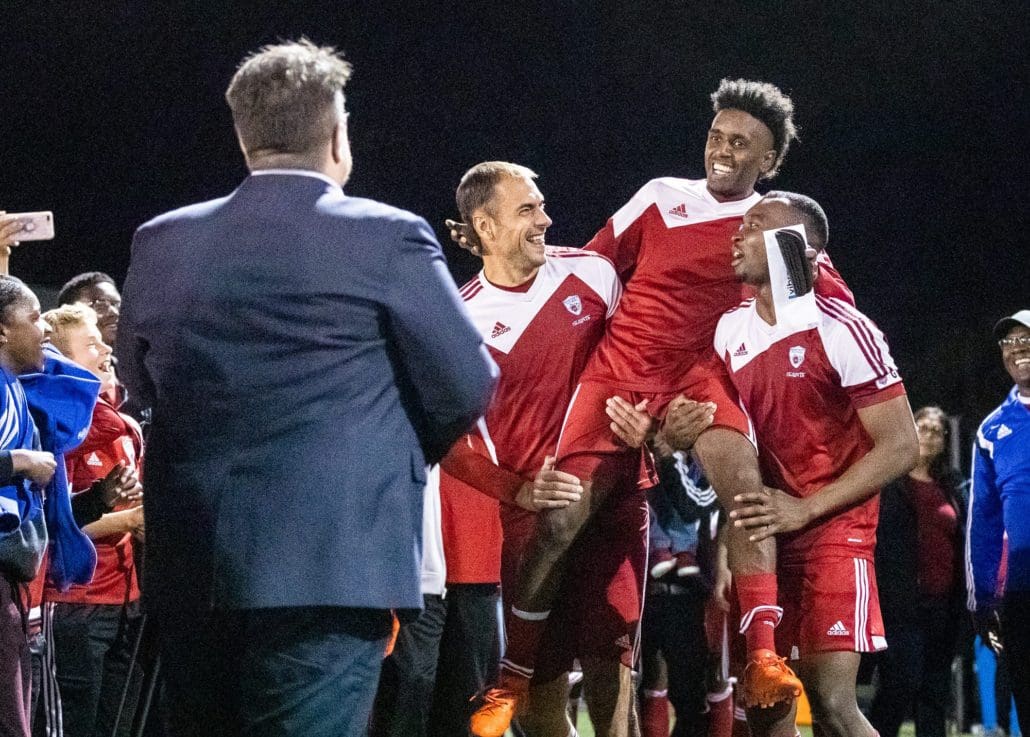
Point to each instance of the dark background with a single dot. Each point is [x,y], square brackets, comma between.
[913,115]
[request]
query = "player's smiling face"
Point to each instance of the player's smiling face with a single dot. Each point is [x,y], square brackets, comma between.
[738,152]
[749,259]
[518,225]
[1017,357]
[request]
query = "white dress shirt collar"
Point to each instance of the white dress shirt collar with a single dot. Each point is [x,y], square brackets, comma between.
[298,173]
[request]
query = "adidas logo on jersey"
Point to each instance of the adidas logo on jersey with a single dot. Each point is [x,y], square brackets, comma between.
[679,211]
[742,351]
[624,643]
[1004,431]
[499,329]
[838,630]
[93,460]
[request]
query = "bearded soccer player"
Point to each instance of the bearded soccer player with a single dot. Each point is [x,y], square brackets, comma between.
[833,425]
[668,245]
[541,310]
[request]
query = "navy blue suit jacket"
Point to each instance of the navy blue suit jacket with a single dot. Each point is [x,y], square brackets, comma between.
[306,354]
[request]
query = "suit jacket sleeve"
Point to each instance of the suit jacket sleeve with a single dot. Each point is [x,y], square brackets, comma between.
[449,369]
[131,348]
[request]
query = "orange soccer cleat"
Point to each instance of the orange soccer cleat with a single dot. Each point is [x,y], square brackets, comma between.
[500,705]
[768,680]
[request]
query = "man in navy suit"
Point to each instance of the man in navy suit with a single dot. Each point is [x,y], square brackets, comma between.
[306,354]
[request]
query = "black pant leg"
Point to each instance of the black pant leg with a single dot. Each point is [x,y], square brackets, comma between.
[934,695]
[82,635]
[405,691]
[119,678]
[200,669]
[900,670]
[679,619]
[1016,633]
[469,654]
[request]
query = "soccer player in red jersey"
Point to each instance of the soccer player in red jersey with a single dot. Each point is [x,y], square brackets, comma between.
[833,424]
[541,311]
[668,245]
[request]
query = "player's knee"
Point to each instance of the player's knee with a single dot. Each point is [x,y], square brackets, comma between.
[830,705]
[558,529]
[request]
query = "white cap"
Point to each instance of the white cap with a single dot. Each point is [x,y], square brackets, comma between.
[1002,327]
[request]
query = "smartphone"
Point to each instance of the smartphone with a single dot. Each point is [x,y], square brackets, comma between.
[35,226]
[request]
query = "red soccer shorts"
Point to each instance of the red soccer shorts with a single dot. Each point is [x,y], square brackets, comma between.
[598,610]
[829,604]
[587,445]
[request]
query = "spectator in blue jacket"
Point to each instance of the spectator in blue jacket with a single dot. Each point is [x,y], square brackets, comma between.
[999,507]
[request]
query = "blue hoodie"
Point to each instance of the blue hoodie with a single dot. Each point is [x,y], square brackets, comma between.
[20,500]
[61,400]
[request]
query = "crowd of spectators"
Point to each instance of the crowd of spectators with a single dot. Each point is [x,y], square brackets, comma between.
[73,661]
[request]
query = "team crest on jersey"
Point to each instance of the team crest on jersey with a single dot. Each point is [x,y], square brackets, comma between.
[573,304]
[797,356]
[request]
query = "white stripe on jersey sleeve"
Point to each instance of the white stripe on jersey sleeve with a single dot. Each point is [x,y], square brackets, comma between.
[854,345]
[606,283]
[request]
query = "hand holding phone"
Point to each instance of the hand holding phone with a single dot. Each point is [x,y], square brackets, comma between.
[26,226]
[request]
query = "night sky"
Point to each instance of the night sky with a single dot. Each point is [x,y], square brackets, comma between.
[914,130]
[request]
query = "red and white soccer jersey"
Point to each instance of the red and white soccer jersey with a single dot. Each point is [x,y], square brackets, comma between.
[541,339]
[803,389]
[113,438]
[671,246]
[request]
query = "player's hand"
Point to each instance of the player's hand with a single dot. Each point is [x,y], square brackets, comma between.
[464,236]
[37,466]
[988,626]
[10,226]
[630,423]
[137,527]
[769,512]
[551,489]
[685,419]
[120,486]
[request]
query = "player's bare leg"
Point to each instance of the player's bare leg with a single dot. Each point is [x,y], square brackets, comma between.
[540,578]
[830,684]
[731,465]
[549,714]
[608,689]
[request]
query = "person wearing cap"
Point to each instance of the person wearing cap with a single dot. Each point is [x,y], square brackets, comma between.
[999,508]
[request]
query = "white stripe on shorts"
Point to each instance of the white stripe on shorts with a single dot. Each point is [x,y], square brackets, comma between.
[862,644]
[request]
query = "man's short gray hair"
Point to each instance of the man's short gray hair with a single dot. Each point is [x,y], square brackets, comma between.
[283,98]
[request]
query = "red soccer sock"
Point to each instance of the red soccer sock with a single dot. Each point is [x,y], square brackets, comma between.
[720,713]
[759,614]
[654,714]
[523,639]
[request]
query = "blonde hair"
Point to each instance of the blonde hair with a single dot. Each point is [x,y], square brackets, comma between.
[65,318]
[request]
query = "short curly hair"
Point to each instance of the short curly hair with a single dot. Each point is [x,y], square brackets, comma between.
[765,102]
[67,317]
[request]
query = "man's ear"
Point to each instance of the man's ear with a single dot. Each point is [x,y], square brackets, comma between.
[338,140]
[768,161]
[812,256]
[483,225]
